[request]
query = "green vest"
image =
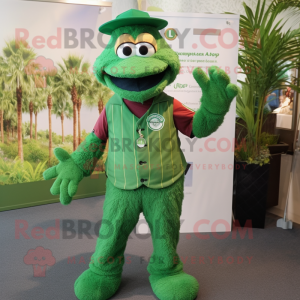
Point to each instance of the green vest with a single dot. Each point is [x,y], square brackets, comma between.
[157,165]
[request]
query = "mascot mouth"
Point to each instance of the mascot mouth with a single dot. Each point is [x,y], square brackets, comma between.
[138,84]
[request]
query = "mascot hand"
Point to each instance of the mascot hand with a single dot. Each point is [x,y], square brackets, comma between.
[68,176]
[217,91]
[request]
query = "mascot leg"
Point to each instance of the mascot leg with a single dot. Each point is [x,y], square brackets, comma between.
[120,215]
[162,210]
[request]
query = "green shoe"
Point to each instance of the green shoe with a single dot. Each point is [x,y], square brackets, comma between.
[91,286]
[174,287]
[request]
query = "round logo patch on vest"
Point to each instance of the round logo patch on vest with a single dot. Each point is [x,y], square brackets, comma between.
[155,122]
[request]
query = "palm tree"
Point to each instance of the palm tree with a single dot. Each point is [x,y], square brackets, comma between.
[49,104]
[1,122]
[72,76]
[2,87]
[8,107]
[18,55]
[39,104]
[31,113]
[13,123]
[62,108]
[9,115]
[50,90]
[27,97]
[32,99]
[39,79]
[1,114]
[82,91]
[7,121]
[98,94]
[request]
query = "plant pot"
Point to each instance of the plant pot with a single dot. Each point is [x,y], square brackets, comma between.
[274,178]
[279,148]
[250,194]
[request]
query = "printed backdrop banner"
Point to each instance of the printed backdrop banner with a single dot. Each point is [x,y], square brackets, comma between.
[204,40]
[44,40]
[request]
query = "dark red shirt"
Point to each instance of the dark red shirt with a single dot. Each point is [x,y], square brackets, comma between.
[182,115]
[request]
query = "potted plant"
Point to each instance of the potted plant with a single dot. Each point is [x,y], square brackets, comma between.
[266,53]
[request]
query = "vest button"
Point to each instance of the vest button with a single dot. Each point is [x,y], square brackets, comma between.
[143,180]
[142,162]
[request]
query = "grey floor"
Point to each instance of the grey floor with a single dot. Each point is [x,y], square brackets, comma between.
[273,271]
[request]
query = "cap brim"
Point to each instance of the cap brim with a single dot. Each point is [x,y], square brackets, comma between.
[110,26]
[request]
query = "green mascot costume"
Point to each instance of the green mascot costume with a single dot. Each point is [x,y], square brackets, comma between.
[145,166]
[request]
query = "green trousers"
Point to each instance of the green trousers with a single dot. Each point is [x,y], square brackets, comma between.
[121,210]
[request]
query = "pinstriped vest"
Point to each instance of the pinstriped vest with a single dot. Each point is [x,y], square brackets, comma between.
[157,165]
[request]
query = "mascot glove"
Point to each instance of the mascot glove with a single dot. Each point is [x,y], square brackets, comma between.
[68,176]
[217,91]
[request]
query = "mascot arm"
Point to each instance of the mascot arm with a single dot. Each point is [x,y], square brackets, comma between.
[217,95]
[72,168]
[88,153]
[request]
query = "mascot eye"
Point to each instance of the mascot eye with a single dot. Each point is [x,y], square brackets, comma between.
[126,50]
[144,49]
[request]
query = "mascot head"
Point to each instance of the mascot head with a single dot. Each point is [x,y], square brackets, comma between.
[137,63]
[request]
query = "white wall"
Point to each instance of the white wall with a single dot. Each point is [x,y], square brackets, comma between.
[196,6]
[293,212]
[202,6]
[119,6]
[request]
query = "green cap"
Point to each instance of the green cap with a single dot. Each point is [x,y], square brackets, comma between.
[132,17]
